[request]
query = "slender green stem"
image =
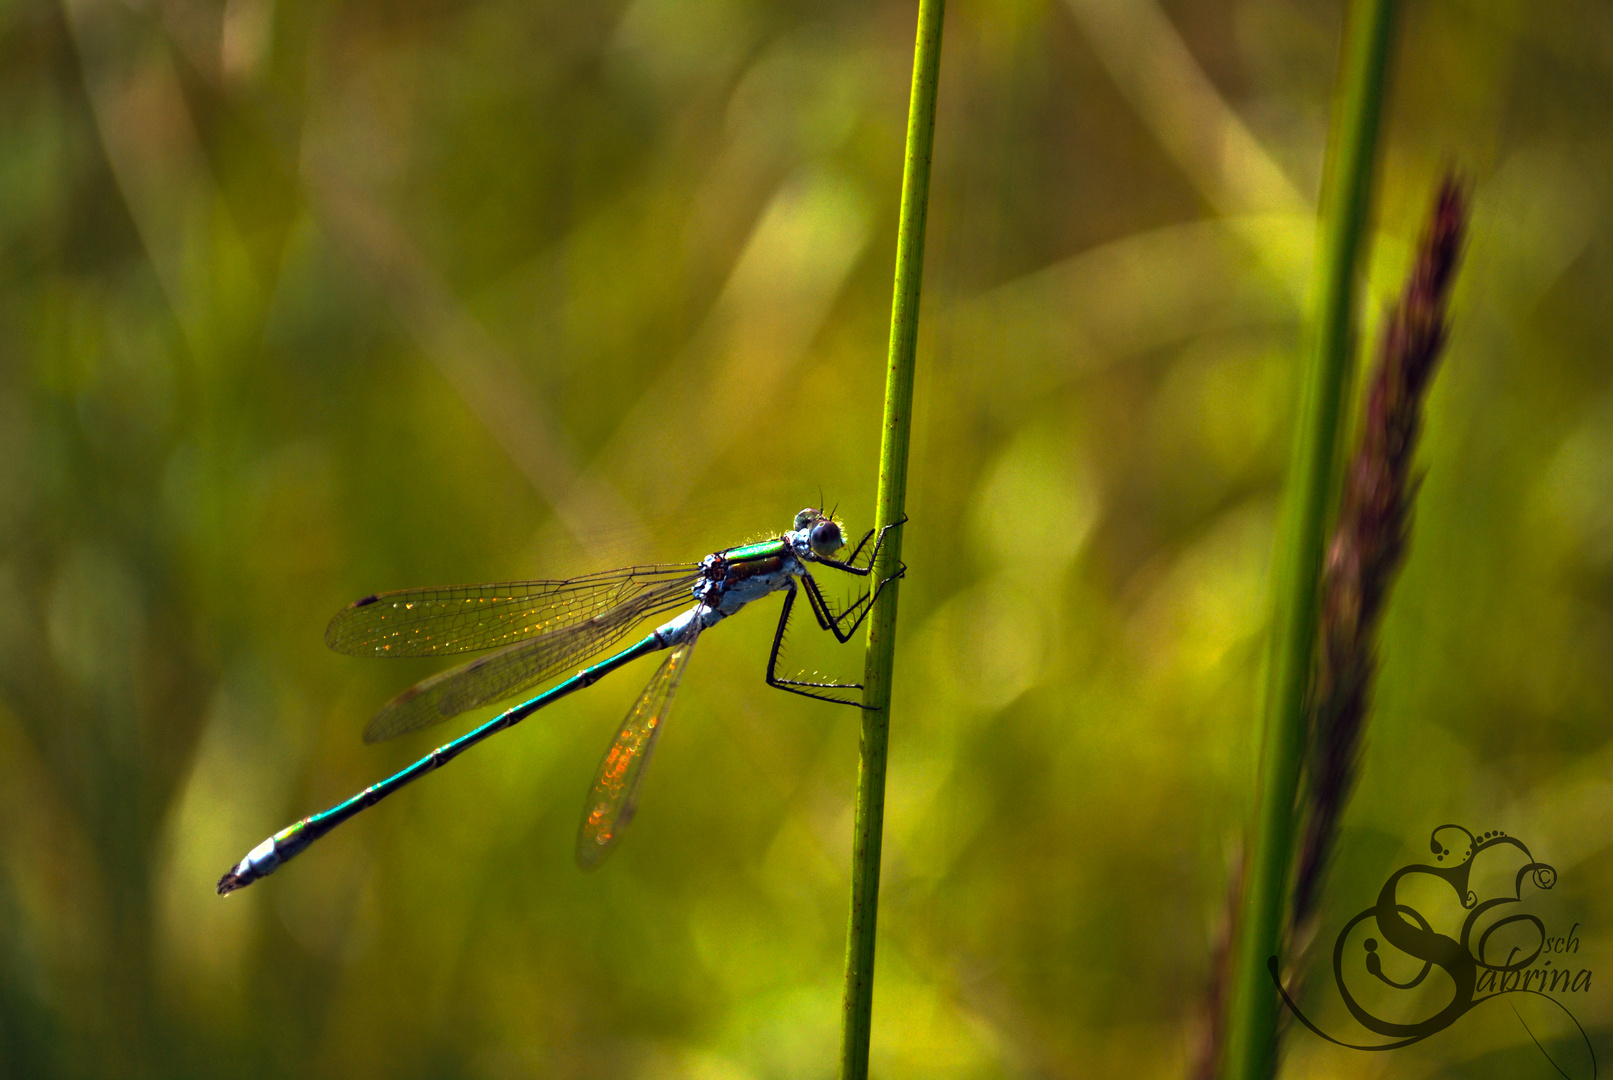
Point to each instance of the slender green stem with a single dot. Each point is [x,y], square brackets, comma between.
[1346,189]
[881,654]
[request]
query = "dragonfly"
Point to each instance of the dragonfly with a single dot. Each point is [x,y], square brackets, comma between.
[538,629]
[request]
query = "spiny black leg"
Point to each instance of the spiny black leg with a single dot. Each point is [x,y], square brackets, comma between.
[832,622]
[863,571]
[858,550]
[794,685]
[873,555]
[827,619]
[820,610]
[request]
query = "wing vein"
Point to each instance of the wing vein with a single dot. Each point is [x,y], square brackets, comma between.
[470,618]
[521,665]
[613,799]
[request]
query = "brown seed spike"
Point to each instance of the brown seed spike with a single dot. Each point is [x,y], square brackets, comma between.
[1365,552]
[1369,541]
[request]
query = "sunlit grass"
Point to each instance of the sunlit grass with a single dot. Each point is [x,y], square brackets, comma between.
[857,1020]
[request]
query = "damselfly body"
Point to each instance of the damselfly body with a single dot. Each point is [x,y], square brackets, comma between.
[539,629]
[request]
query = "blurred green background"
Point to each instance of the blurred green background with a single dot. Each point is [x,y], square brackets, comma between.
[299,301]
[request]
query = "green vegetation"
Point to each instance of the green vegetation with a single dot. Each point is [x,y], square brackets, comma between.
[1330,340]
[303,301]
[874,745]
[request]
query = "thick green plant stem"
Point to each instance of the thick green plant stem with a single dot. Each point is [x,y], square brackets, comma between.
[870,820]
[1251,1048]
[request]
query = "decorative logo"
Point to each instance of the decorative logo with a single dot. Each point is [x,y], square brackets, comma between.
[1495,953]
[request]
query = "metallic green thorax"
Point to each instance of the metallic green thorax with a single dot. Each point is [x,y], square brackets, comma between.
[766,549]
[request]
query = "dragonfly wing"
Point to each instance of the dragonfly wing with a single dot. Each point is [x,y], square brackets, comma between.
[613,799]
[465,618]
[517,667]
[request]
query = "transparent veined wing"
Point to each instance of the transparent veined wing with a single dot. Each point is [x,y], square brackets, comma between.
[466,618]
[613,799]
[522,665]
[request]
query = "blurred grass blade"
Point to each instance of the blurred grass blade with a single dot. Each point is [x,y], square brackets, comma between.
[1346,188]
[870,815]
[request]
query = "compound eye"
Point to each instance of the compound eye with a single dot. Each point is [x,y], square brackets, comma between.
[805,518]
[826,538]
